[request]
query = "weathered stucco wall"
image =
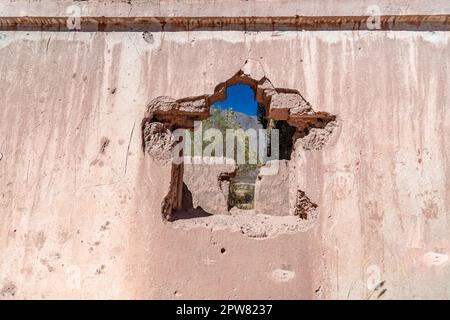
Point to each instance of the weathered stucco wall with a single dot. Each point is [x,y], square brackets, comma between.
[80,205]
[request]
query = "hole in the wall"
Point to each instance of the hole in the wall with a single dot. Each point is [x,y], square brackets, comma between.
[237,110]
[212,194]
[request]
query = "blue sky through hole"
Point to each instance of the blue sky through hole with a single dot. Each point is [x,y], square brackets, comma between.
[240,98]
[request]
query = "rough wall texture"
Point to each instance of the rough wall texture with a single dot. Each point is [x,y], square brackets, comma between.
[82,219]
[206,184]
